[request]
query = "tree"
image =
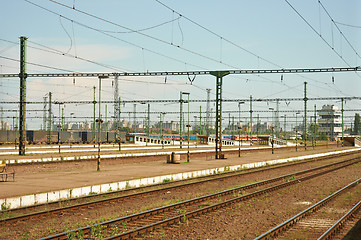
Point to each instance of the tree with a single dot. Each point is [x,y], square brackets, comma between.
[356,125]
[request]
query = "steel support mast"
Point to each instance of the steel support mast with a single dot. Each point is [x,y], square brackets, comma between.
[22,110]
[219,77]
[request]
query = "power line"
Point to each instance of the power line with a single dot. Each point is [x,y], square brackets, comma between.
[319,34]
[229,41]
[58,52]
[348,25]
[333,22]
[224,39]
[143,34]
[109,35]
[37,64]
[217,35]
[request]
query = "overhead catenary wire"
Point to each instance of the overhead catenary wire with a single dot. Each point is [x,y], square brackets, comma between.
[219,36]
[342,34]
[143,34]
[58,52]
[121,26]
[319,34]
[347,25]
[114,37]
[222,38]
[38,65]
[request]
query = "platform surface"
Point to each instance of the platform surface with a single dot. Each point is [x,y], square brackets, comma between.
[46,177]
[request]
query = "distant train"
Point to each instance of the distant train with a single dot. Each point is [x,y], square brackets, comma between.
[176,137]
[41,136]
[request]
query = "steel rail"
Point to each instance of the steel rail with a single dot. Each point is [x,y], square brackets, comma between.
[285,225]
[218,176]
[86,230]
[339,224]
[135,232]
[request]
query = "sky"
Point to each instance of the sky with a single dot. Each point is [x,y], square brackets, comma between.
[150,35]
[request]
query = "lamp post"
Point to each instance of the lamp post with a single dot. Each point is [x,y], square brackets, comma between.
[99,120]
[239,128]
[188,153]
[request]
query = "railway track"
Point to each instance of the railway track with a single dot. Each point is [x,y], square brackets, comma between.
[135,225]
[313,221]
[350,219]
[117,196]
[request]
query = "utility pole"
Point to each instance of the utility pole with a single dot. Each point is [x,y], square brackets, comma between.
[22,110]
[106,116]
[180,119]
[314,123]
[161,118]
[188,152]
[250,116]
[94,102]
[208,111]
[229,123]
[148,121]
[44,112]
[1,118]
[99,113]
[119,114]
[258,123]
[200,120]
[119,136]
[284,127]
[116,98]
[239,128]
[59,127]
[342,143]
[50,117]
[232,125]
[305,117]
[277,120]
[99,120]
[62,118]
[188,138]
[135,117]
[296,130]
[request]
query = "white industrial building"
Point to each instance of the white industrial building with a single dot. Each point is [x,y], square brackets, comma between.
[330,121]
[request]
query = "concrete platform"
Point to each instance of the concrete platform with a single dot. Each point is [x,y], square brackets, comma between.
[36,183]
